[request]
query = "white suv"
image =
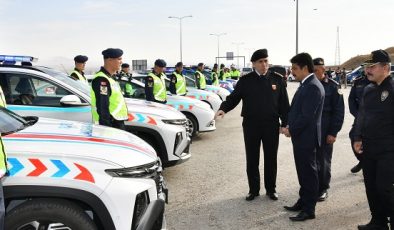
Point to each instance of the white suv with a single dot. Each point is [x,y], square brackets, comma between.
[80,176]
[44,92]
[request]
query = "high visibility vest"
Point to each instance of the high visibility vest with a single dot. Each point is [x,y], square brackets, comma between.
[226,75]
[117,104]
[203,84]
[235,74]
[180,84]
[128,89]
[3,159]
[159,87]
[3,156]
[215,79]
[80,77]
[3,102]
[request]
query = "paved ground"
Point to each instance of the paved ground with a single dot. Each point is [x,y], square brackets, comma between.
[208,191]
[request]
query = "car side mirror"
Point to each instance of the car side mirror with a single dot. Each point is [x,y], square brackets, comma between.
[71,100]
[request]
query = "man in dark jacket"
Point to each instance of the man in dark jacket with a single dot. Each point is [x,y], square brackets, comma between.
[304,127]
[264,101]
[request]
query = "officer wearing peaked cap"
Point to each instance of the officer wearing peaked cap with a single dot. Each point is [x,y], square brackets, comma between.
[155,86]
[78,74]
[264,102]
[331,123]
[374,139]
[178,81]
[108,105]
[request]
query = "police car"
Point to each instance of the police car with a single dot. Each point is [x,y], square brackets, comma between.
[221,92]
[74,175]
[45,92]
[200,116]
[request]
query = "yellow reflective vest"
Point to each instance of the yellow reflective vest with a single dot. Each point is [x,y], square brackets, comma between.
[159,87]
[180,85]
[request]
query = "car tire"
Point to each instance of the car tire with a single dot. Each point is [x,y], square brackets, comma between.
[42,213]
[192,124]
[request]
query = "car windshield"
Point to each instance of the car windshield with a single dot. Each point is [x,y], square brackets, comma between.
[11,122]
[66,79]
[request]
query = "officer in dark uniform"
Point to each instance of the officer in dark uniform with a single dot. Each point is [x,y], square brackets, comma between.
[200,77]
[264,101]
[374,139]
[331,122]
[155,86]
[221,71]
[125,75]
[354,101]
[178,81]
[78,74]
[108,105]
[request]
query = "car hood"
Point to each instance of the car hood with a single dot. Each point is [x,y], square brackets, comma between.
[152,108]
[185,103]
[201,94]
[80,140]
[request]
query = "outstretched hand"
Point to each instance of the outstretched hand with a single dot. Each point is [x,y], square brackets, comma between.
[219,113]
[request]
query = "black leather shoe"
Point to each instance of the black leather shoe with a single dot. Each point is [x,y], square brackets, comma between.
[323,196]
[272,195]
[295,208]
[251,196]
[302,216]
[356,168]
[373,226]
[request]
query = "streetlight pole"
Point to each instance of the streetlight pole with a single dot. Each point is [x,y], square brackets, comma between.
[180,31]
[218,36]
[238,44]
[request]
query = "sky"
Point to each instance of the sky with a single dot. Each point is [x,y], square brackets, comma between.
[57,30]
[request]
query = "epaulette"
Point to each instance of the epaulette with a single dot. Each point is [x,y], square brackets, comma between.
[333,81]
[278,74]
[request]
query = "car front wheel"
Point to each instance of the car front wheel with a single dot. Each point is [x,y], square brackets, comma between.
[48,214]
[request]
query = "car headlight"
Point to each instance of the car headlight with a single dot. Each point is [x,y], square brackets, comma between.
[142,171]
[175,121]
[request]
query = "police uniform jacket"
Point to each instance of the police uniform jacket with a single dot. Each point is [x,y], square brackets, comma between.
[75,77]
[375,120]
[264,98]
[333,108]
[149,84]
[102,90]
[356,93]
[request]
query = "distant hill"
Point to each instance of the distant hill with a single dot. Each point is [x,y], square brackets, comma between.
[354,62]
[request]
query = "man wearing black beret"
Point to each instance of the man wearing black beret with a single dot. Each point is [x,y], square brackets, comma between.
[78,74]
[155,86]
[264,102]
[374,139]
[108,105]
[178,81]
[200,77]
[331,123]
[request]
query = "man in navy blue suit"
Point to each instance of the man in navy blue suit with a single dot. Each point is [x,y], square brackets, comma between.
[304,127]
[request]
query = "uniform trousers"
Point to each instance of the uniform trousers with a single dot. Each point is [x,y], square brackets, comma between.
[255,134]
[378,171]
[323,160]
[306,166]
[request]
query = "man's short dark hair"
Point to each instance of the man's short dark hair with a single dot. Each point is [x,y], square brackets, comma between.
[303,59]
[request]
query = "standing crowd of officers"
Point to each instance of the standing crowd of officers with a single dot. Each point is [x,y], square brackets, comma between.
[312,120]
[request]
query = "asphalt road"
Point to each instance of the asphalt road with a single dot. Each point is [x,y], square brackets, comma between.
[208,191]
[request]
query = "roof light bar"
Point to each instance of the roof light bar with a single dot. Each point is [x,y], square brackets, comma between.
[13,58]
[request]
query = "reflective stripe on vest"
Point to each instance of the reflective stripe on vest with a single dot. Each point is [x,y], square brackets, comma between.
[203,84]
[80,76]
[180,84]
[3,158]
[159,87]
[3,103]
[117,104]
[215,79]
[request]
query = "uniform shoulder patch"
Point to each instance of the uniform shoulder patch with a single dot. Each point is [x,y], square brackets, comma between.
[103,89]
[278,74]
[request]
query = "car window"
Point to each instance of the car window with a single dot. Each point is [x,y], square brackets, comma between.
[10,122]
[26,89]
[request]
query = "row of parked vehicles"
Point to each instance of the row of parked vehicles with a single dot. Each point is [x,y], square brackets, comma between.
[72,174]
